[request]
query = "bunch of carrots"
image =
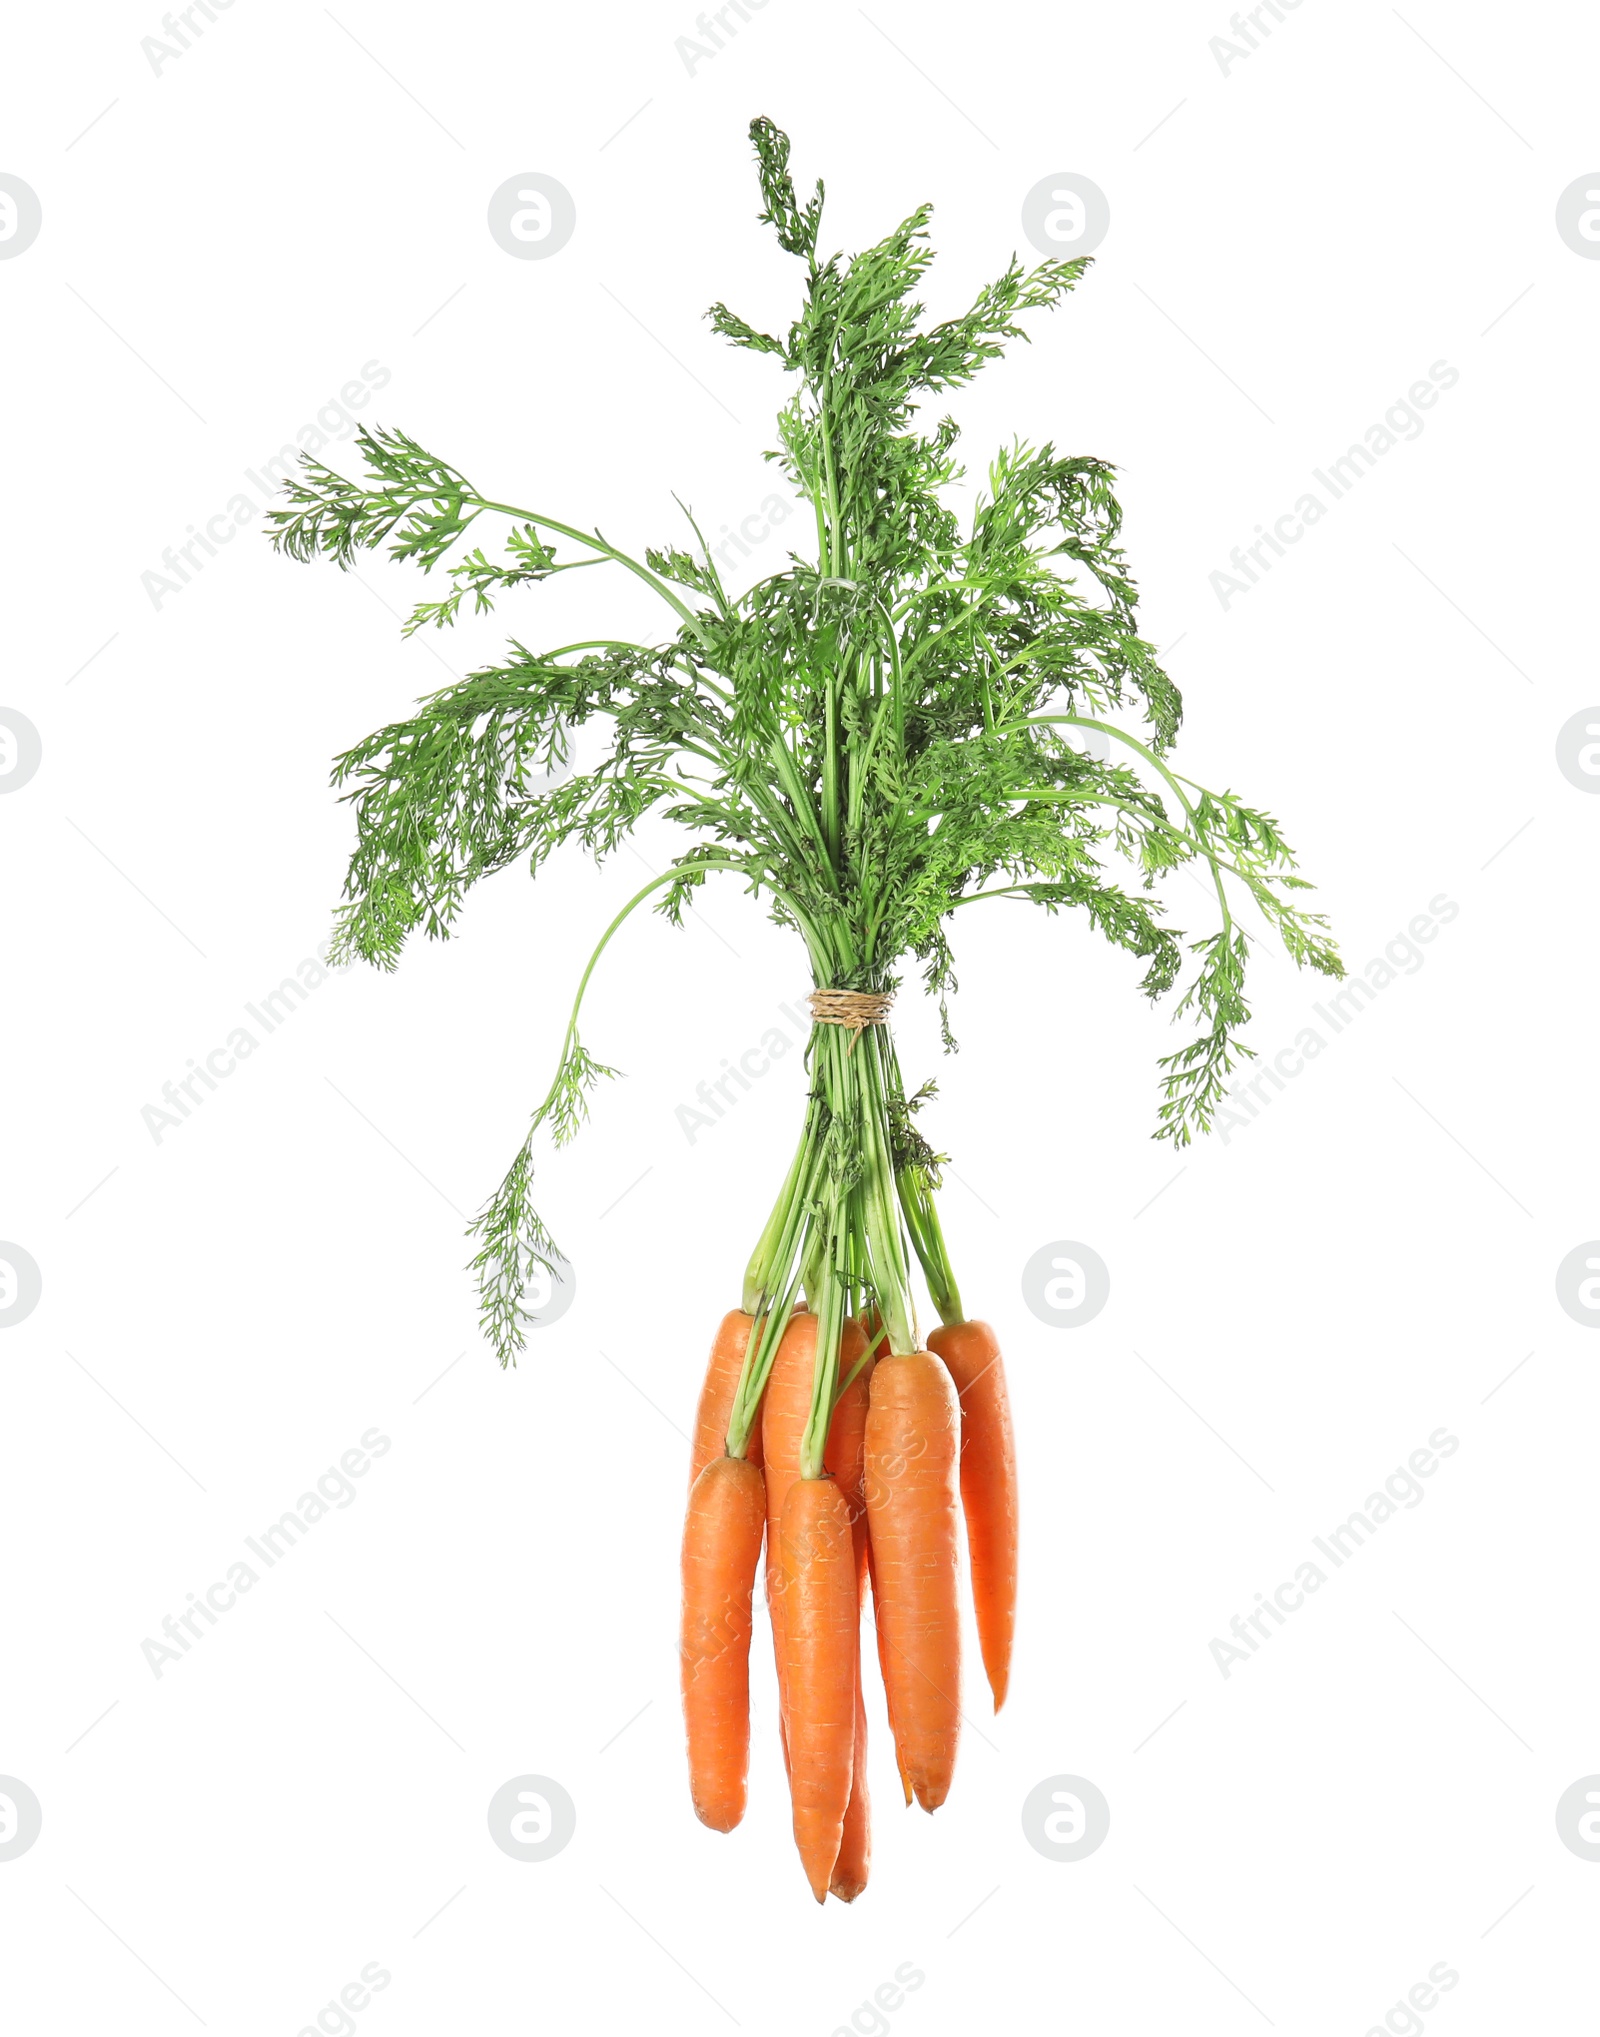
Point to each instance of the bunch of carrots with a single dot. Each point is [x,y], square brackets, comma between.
[881,1505]
[922,714]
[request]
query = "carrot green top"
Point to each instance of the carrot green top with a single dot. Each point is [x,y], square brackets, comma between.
[875,736]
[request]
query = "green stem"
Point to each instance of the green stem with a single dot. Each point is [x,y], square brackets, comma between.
[881,1226]
[638,898]
[927,1237]
[759,1354]
[917,1206]
[829,1307]
[812,1271]
[761,1276]
[782,1264]
[1108,728]
[836,1230]
[593,538]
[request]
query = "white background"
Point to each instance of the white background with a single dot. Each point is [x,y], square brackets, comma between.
[1291,248]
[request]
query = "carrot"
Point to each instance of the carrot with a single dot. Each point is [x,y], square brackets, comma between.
[845,1455]
[883,1671]
[822,1668]
[716,1395]
[912,1446]
[988,1488]
[784,1411]
[850,1870]
[721,1549]
[845,1458]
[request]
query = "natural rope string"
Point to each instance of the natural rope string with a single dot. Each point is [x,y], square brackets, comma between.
[853,1009]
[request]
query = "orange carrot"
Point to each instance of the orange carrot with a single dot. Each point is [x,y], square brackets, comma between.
[845,1458]
[785,1408]
[988,1488]
[883,1671]
[821,1635]
[850,1870]
[721,1549]
[845,1455]
[716,1395]
[912,1446]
